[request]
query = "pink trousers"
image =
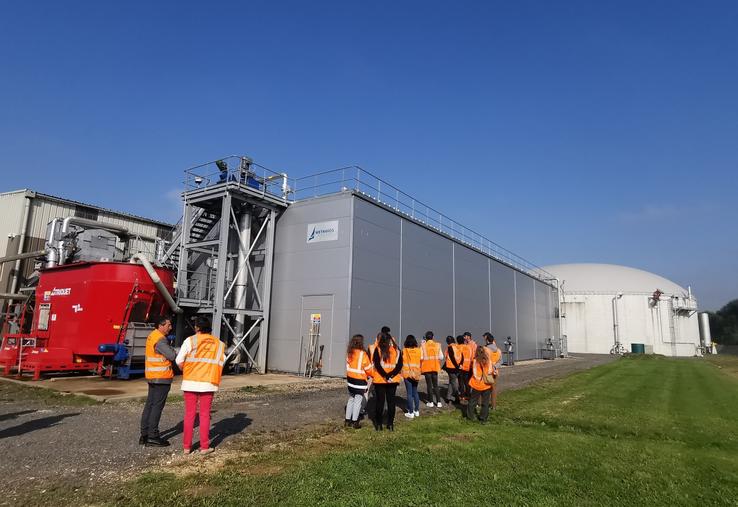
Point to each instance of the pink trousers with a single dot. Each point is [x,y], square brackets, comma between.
[192,399]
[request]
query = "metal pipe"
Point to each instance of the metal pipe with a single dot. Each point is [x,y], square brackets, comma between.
[157,281]
[52,250]
[5,295]
[22,242]
[20,256]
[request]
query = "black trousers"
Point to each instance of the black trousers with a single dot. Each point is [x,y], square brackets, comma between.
[384,393]
[464,383]
[471,408]
[431,381]
[153,408]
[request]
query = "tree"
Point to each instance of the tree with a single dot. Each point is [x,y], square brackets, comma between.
[724,324]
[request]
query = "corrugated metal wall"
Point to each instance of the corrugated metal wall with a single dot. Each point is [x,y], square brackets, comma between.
[43,209]
[401,275]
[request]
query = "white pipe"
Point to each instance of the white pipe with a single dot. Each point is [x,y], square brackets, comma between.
[157,281]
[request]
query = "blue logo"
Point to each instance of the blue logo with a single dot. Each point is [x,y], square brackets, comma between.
[312,235]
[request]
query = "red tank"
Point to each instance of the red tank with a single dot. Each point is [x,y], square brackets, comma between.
[79,307]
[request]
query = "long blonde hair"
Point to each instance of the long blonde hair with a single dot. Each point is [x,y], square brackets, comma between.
[481,357]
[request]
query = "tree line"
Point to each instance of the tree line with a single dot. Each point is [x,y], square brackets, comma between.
[724,324]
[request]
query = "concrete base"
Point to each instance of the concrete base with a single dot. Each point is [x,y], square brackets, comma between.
[104,390]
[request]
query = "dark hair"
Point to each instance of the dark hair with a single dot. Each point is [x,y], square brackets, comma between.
[460,339]
[467,333]
[450,339]
[489,337]
[203,325]
[163,320]
[355,343]
[429,335]
[385,342]
[410,341]
[385,330]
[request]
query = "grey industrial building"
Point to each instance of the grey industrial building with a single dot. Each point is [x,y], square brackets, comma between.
[382,267]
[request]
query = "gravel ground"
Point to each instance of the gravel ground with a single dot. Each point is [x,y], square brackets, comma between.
[48,441]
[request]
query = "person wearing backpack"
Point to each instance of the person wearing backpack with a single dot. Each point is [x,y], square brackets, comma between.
[495,357]
[431,357]
[454,358]
[411,374]
[481,381]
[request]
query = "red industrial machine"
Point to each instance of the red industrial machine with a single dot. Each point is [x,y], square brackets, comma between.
[82,309]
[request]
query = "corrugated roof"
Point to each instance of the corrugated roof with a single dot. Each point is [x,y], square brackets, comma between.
[94,206]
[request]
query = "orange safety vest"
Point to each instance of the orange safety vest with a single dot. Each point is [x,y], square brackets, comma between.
[493,356]
[475,381]
[411,363]
[358,365]
[429,362]
[388,366]
[156,365]
[205,361]
[457,356]
[466,348]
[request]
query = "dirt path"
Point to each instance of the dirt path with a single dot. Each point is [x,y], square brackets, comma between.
[43,443]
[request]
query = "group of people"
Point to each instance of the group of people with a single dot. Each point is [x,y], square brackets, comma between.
[472,371]
[201,358]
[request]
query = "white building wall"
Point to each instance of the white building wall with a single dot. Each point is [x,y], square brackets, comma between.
[589,324]
[11,215]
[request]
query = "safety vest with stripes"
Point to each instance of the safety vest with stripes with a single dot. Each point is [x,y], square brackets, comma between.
[430,359]
[475,381]
[468,355]
[156,366]
[411,363]
[387,366]
[358,367]
[205,361]
[493,355]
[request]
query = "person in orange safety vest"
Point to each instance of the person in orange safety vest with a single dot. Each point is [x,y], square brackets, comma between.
[201,359]
[358,371]
[430,365]
[480,382]
[386,374]
[411,355]
[452,365]
[159,375]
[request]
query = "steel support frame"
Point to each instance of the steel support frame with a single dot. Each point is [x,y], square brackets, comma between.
[221,200]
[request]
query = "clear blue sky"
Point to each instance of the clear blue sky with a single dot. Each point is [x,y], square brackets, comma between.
[571,131]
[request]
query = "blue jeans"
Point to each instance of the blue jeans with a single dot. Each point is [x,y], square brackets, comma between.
[413,398]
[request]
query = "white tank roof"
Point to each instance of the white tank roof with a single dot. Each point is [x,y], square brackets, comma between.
[610,279]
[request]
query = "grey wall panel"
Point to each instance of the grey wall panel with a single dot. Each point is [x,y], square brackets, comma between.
[527,343]
[427,282]
[302,270]
[375,286]
[503,303]
[471,272]
[543,313]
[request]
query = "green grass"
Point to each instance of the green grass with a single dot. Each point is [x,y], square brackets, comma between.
[12,392]
[639,431]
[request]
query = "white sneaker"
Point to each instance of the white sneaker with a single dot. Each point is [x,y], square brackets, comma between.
[409,415]
[439,404]
[430,404]
[416,413]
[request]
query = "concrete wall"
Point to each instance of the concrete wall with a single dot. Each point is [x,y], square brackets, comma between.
[589,325]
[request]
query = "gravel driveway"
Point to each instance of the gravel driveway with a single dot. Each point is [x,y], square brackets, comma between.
[43,442]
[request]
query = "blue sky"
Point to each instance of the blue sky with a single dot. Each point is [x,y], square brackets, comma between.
[565,131]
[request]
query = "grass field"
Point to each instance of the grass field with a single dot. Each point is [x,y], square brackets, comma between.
[639,431]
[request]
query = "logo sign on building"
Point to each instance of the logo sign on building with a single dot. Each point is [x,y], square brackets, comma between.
[323,231]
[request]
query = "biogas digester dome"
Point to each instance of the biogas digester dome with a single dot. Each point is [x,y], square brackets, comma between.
[604,303]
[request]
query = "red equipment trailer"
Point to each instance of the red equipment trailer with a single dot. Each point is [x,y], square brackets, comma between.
[80,307]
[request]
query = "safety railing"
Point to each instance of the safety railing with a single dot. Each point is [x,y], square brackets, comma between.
[242,170]
[356,179]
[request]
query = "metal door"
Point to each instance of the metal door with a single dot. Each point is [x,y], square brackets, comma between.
[318,307]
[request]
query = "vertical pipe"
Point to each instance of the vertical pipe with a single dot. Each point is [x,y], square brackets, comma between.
[268,262]
[242,276]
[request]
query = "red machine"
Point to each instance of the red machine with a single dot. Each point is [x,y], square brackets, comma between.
[80,307]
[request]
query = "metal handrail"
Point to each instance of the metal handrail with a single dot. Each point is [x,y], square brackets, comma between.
[367,184]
